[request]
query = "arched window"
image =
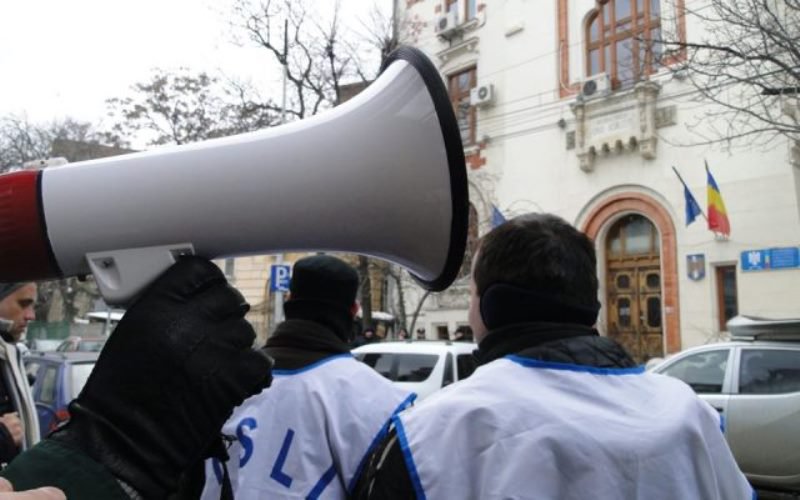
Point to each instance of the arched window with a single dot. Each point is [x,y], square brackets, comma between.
[619,40]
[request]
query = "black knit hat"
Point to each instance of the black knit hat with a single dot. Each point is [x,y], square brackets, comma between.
[323,279]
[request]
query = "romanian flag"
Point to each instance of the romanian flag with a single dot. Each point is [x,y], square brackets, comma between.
[717,215]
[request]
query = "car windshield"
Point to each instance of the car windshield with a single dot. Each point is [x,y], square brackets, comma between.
[80,374]
[401,367]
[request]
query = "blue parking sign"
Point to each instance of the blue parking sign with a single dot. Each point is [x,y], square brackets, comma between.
[279,278]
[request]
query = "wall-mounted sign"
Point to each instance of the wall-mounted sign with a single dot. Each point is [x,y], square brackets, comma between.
[771,258]
[696,266]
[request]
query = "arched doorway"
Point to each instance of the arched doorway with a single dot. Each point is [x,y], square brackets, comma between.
[633,286]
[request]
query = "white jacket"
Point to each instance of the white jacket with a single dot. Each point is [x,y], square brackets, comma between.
[307,435]
[521,428]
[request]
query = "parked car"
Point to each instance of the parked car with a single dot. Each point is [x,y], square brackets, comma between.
[753,381]
[422,366]
[58,378]
[82,344]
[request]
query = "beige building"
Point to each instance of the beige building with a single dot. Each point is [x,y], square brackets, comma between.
[562,110]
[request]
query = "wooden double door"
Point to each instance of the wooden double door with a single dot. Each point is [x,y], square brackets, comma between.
[633,288]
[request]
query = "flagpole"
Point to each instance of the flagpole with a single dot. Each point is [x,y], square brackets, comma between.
[687,187]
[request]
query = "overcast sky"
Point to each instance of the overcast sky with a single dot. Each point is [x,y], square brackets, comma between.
[65,57]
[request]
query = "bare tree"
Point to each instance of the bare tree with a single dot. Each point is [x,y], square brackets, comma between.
[181,107]
[310,48]
[747,64]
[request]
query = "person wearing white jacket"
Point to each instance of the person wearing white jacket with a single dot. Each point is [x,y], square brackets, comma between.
[19,424]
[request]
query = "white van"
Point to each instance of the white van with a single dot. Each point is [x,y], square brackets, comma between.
[422,366]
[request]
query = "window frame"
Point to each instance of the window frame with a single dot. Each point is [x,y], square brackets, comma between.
[719,293]
[737,382]
[456,95]
[464,10]
[640,25]
[731,364]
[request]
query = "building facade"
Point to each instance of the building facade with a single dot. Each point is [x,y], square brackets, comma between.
[566,107]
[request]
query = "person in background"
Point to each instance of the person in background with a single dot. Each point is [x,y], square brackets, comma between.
[177,364]
[19,422]
[555,411]
[402,334]
[307,435]
[421,334]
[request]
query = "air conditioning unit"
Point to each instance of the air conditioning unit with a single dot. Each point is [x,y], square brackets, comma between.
[598,85]
[482,95]
[447,25]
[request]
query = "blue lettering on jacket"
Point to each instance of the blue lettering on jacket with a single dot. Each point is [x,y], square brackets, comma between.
[217,469]
[277,474]
[247,443]
[323,483]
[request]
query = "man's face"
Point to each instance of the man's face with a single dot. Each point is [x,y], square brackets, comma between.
[475,321]
[18,307]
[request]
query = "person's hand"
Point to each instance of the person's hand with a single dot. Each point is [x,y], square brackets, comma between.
[169,376]
[48,493]
[13,424]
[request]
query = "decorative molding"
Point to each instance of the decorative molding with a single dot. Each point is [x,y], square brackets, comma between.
[607,210]
[620,123]
[468,46]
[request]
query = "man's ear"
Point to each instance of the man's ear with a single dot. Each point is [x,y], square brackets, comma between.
[354,307]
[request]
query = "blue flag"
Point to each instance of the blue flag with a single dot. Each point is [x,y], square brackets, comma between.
[692,208]
[497,217]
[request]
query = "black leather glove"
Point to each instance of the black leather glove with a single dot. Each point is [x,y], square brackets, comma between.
[169,376]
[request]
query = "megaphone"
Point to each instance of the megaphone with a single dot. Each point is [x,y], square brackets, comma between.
[381,175]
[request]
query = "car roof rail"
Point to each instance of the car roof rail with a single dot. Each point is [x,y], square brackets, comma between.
[757,328]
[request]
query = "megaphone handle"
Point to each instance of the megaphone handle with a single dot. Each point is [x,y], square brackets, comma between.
[122,274]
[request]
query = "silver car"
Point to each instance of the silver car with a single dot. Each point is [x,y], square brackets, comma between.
[753,381]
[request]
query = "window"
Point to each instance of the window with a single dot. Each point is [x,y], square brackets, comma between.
[469,12]
[619,36]
[465,364]
[704,372]
[401,367]
[229,267]
[381,363]
[460,86]
[727,295]
[442,333]
[80,374]
[447,378]
[633,236]
[48,391]
[769,371]
[415,367]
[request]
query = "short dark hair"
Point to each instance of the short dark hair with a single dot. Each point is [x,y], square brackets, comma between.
[541,252]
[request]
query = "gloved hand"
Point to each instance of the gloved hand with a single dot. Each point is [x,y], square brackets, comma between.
[169,376]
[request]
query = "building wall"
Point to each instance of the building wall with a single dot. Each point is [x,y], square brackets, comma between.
[533,54]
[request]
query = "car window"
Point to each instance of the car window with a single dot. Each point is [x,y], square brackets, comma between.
[47,394]
[91,345]
[447,377]
[769,371]
[466,364]
[31,368]
[80,374]
[380,362]
[415,367]
[703,371]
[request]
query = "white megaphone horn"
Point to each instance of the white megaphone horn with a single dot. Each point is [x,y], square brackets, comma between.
[381,175]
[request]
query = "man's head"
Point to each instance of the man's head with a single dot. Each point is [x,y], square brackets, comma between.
[323,289]
[533,268]
[17,301]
